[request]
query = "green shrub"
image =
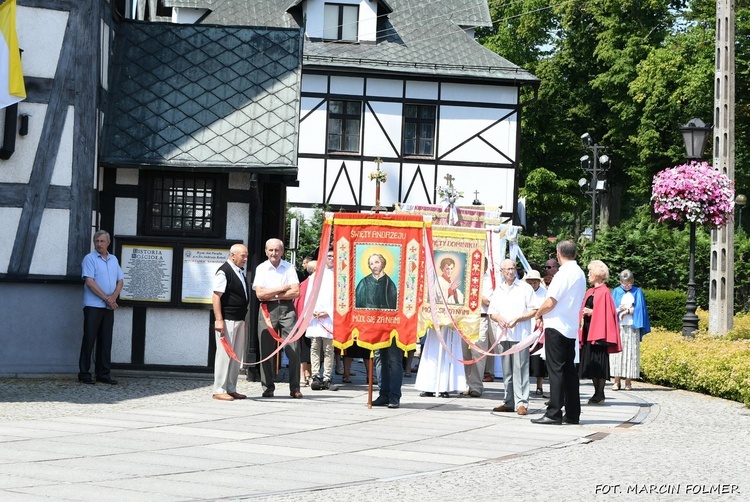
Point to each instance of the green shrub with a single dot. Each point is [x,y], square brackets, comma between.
[710,365]
[665,308]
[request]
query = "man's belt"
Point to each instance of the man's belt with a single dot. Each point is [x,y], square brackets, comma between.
[485,315]
[280,302]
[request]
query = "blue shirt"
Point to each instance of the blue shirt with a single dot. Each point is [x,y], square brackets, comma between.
[105,272]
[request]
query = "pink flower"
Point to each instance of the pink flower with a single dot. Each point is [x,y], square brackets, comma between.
[694,192]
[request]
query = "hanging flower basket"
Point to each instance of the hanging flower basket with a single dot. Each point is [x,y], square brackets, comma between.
[694,192]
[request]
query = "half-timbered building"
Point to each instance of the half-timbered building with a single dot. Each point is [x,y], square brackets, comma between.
[182,126]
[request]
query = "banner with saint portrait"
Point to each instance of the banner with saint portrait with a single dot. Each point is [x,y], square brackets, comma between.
[458,256]
[379,285]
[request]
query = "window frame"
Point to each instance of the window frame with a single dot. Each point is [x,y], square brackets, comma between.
[419,139]
[340,22]
[345,118]
[217,205]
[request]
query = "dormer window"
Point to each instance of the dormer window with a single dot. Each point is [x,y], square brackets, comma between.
[340,22]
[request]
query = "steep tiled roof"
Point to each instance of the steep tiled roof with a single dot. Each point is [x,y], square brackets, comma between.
[419,37]
[222,97]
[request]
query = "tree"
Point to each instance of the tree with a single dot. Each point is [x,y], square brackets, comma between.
[548,196]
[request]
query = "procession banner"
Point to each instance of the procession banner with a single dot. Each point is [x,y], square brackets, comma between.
[468,217]
[458,254]
[379,278]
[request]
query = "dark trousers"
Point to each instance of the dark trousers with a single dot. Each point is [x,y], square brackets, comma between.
[97,330]
[283,319]
[563,377]
[391,362]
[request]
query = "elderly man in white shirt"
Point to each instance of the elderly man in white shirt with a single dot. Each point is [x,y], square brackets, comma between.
[513,305]
[320,329]
[276,285]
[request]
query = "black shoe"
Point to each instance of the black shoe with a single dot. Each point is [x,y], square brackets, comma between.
[570,420]
[444,394]
[544,419]
[426,394]
[393,405]
[381,401]
[107,380]
[597,400]
[86,380]
[317,383]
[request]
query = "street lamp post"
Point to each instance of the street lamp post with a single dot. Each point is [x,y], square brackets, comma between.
[740,201]
[594,166]
[695,134]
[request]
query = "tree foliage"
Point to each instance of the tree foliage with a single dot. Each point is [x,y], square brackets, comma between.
[629,72]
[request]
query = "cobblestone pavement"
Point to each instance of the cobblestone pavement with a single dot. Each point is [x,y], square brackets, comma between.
[682,446]
[689,447]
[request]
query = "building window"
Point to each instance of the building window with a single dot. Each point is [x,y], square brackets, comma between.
[419,129]
[344,118]
[340,22]
[184,205]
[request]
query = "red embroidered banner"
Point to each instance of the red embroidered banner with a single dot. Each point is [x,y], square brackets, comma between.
[379,278]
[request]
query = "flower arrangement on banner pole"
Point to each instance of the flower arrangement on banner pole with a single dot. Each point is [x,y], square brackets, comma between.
[696,193]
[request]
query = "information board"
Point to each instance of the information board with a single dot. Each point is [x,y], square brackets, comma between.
[148,273]
[199,266]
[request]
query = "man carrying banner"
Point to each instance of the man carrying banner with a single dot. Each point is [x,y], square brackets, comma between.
[475,372]
[276,285]
[513,305]
[230,300]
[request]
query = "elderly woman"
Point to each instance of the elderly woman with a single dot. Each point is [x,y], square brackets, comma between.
[634,323]
[599,334]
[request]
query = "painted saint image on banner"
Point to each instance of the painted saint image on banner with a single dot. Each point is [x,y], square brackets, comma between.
[377,273]
[451,279]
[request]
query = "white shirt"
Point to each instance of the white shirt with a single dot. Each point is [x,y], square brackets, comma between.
[268,276]
[567,287]
[220,280]
[323,327]
[627,301]
[511,301]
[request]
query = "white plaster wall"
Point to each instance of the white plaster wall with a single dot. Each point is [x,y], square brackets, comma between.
[237,221]
[376,138]
[314,83]
[311,175]
[354,86]
[50,254]
[458,123]
[312,129]
[417,195]
[122,335]
[127,176]
[495,185]
[239,181]
[421,90]
[64,162]
[126,216]
[176,337]
[9,216]
[185,15]
[342,194]
[384,87]
[479,93]
[17,169]
[40,35]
